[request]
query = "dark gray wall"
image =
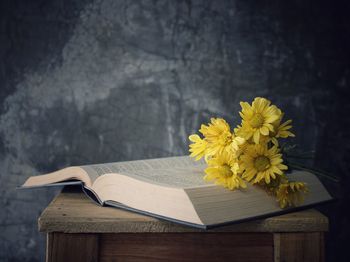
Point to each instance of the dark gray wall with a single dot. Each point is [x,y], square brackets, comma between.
[99,81]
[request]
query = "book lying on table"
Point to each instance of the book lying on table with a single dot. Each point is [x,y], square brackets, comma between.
[173,189]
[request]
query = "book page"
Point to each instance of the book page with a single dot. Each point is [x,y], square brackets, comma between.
[180,171]
[180,177]
[63,175]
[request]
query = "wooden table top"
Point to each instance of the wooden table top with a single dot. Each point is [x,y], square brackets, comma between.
[73,212]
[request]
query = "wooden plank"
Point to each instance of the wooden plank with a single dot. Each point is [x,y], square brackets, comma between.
[277,247]
[63,247]
[75,213]
[299,247]
[186,247]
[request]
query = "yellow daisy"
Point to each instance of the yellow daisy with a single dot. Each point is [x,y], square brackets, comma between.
[237,143]
[198,147]
[257,118]
[238,131]
[223,169]
[242,146]
[219,137]
[291,193]
[280,130]
[260,163]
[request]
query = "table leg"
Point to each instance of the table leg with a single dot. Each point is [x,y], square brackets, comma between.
[298,247]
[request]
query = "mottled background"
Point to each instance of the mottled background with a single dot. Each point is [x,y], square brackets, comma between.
[89,81]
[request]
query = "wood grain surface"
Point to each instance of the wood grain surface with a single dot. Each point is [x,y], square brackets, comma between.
[73,212]
[186,247]
[72,247]
[295,247]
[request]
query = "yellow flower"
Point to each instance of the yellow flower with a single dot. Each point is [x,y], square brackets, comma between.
[198,147]
[280,130]
[239,132]
[291,193]
[260,163]
[237,143]
[257,118]
[218,135]
[223,169]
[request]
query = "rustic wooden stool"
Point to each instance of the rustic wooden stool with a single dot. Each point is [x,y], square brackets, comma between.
[79,230]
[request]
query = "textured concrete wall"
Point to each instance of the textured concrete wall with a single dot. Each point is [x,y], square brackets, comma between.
[99,81]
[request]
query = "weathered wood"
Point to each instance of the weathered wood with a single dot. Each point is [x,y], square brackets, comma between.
[111,234]
[186,247]
[299,247]
[75,213]
[63,247]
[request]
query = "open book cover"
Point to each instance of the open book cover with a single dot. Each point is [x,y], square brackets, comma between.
[173,189]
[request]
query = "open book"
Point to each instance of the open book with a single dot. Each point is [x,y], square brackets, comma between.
[173,189]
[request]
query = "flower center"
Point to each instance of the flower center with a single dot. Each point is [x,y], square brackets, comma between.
[262,163]
[257,120]
[226,170]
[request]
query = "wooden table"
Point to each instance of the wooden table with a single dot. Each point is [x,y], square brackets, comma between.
[79,230]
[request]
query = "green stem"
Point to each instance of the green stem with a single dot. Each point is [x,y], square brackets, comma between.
[315,171]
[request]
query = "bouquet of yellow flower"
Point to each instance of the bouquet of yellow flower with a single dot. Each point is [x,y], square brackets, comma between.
[250,153]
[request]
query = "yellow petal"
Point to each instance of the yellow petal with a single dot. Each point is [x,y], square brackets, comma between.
[256,137]
[264,130]
[194,138]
